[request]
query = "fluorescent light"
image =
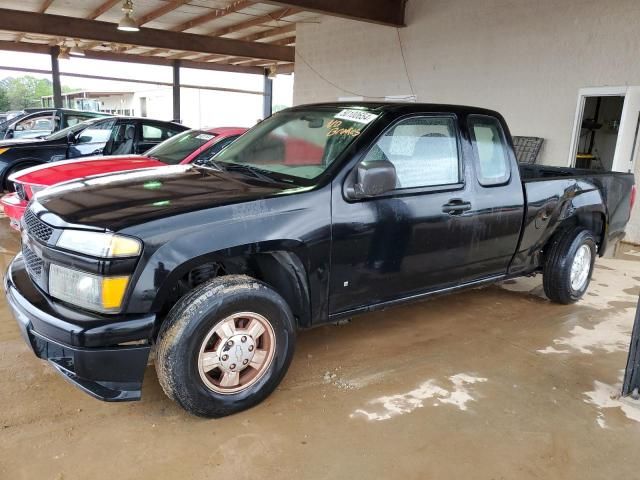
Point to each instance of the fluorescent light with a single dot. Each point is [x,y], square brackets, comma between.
[76,51]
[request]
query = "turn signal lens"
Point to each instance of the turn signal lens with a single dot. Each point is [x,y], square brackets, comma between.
[113,289]
[2,150]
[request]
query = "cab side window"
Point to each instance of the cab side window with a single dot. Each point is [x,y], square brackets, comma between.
[34,126]
[156,133]
[96,133]
[490,151]
[423,150]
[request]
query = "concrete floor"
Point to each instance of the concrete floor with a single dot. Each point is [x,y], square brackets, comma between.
[494,383]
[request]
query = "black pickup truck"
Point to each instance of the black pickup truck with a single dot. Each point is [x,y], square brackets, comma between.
[318,213]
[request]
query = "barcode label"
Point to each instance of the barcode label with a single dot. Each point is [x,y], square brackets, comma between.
[356,116]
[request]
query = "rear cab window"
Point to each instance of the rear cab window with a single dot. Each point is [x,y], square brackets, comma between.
[491,152]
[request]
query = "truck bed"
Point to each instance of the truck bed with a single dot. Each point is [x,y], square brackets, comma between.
[601,200]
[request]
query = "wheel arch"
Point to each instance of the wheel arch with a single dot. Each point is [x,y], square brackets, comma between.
[16,166]
[277,265]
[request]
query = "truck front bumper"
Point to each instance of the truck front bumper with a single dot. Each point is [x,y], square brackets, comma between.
[88,350]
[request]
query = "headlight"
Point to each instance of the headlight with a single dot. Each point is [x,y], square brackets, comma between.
[105,245]
[93,292]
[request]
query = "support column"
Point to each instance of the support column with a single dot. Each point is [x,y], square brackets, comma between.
[267,99]
[55,78]
[176,91]
[631,383]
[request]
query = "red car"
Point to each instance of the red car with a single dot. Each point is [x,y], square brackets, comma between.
[186,147]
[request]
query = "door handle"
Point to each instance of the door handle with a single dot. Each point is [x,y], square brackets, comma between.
[456,207]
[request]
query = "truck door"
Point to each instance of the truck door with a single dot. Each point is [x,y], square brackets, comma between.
[412,239]
[497,196]
[448,222]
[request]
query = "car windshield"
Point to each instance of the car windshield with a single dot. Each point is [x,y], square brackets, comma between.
[295,145]
[73,129]
[178,147]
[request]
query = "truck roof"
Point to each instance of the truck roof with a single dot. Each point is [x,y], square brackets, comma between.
[401,107]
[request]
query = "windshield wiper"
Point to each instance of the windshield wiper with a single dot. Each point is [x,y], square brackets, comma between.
[254,171]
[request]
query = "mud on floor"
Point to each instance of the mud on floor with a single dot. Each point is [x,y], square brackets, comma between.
[489,383]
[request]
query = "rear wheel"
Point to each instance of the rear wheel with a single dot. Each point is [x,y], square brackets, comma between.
[569,265]
[225,346]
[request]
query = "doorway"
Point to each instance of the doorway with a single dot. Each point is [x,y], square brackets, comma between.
[606,128]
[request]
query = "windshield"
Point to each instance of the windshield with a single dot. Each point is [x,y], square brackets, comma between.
[298,145]
[178,147]
[73,129]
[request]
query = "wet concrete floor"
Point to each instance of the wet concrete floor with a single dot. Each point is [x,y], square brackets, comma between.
[493,383]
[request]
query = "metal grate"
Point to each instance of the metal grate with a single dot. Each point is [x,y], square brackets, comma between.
[22,195]
[36,227]
[33,262]
[527,149]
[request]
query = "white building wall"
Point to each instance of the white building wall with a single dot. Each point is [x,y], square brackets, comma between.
[525,58]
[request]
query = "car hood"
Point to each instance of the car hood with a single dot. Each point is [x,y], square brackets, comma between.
[65,170]
[120,200]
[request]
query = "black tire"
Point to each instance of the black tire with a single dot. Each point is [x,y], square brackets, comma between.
[191,320]
[559,260]
[8,185]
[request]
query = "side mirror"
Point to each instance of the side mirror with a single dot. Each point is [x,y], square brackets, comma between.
[373,178]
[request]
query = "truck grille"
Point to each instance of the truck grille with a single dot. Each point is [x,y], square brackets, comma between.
[22,195]
[36,227]
[33,263]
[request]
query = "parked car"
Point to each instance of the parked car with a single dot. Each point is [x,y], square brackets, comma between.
[13,116]
[191,146]
[99,136]
[216,266]
[38,122]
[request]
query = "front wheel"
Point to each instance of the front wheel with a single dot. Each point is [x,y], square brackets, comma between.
[225,346]
[569,265]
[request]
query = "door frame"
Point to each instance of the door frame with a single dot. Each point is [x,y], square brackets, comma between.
[583,94]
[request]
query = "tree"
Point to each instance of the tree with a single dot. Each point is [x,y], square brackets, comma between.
[26,91]
[4,101]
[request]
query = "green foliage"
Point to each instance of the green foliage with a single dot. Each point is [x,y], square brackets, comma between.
[23,92]
[4,101]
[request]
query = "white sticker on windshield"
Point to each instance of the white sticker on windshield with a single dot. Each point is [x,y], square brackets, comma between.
[205,136]
[356,116]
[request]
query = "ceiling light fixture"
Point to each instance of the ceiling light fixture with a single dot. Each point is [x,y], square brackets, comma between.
[76,51]
[128,23]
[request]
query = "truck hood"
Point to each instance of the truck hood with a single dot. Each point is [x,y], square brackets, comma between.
[120,200]
[65,170]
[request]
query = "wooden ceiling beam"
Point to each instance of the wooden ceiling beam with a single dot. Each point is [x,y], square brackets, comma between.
[159,12]
[92,30]
[215,14]
[254,22]
[131,58]
[272,32]
[384,12]
[102,9]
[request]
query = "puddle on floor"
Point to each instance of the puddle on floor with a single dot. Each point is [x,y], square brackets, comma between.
[457,394]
